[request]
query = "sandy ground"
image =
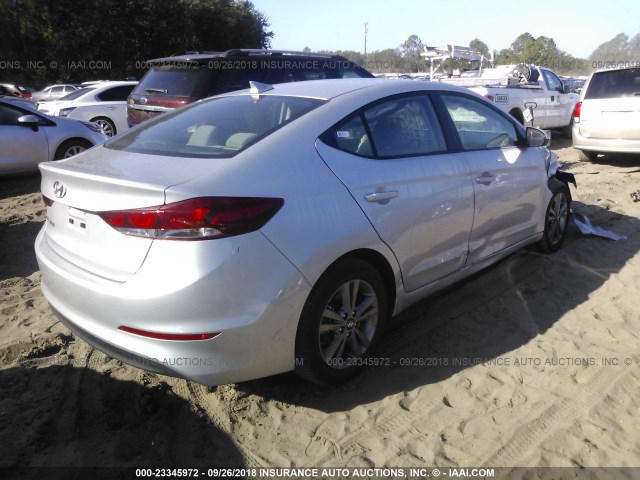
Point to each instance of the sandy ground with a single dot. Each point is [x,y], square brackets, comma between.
[531,363]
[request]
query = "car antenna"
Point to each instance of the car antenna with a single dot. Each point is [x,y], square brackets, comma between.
[256,88]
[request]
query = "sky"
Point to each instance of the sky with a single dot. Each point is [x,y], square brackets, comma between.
[577,26]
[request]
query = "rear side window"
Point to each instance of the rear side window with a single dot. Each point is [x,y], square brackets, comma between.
[478,125]
[219,128]
[614,83]
[116,94]
[396,127]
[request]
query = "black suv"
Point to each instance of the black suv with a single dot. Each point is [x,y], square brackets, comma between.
[175,81]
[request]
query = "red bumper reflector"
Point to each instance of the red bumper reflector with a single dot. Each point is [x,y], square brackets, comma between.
[169,336]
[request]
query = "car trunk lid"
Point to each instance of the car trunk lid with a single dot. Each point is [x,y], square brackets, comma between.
[100,181]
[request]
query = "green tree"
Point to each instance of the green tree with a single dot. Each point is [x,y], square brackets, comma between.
[118,36]
[410,51]
[521,46]
[616,50]
[482,47]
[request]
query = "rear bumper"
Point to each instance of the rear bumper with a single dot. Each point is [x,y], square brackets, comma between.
[603,145]
[250,294]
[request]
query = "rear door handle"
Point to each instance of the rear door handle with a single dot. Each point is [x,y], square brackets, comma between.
[486,178]
[380,196]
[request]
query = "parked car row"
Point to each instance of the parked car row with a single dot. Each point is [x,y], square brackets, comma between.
[179,80]
[104,103]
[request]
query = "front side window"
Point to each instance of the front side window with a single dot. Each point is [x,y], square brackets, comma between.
[478,125]
[221,127]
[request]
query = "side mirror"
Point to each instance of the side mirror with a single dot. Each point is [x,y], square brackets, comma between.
[537,137]
[32,121]
[566,88]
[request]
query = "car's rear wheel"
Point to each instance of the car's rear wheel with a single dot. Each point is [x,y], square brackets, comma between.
[556,221]
[107,126]
[72,147]
[340,322]
[587,155]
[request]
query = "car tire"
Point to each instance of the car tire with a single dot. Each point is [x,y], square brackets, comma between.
[587,155]
[556,219]
[72,147]
[336,333]
[107,126]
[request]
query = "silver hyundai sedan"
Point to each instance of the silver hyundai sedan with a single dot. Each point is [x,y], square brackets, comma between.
[279,228]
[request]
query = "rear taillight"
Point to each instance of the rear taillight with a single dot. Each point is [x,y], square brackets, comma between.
[47,201]
[196,219]
[576,112]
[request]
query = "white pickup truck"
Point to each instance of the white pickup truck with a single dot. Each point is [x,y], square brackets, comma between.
[533,95]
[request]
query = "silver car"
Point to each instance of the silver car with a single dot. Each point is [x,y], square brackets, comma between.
[53,92]
[28,138]
[279,228]
[607,117]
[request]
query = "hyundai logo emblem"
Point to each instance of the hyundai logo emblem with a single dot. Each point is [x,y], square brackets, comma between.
[143,100]
[59,190]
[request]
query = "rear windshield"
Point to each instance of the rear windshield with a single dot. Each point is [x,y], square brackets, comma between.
[221,127]
[614,83]
[176,82]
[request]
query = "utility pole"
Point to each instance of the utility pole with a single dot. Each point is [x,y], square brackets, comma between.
[366,30]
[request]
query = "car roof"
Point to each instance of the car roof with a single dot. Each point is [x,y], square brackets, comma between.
[328,89]
[631,66]
[111,83]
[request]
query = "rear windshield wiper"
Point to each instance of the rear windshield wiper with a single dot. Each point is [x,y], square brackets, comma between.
[155,90]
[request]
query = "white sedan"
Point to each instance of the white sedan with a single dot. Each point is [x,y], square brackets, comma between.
[104,103]
[279,228]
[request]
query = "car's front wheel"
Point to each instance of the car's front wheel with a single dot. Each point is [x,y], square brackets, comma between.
[72,147]
[556,221]
[340,322]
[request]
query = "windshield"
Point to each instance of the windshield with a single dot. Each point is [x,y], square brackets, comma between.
[221,127]
[77,93]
